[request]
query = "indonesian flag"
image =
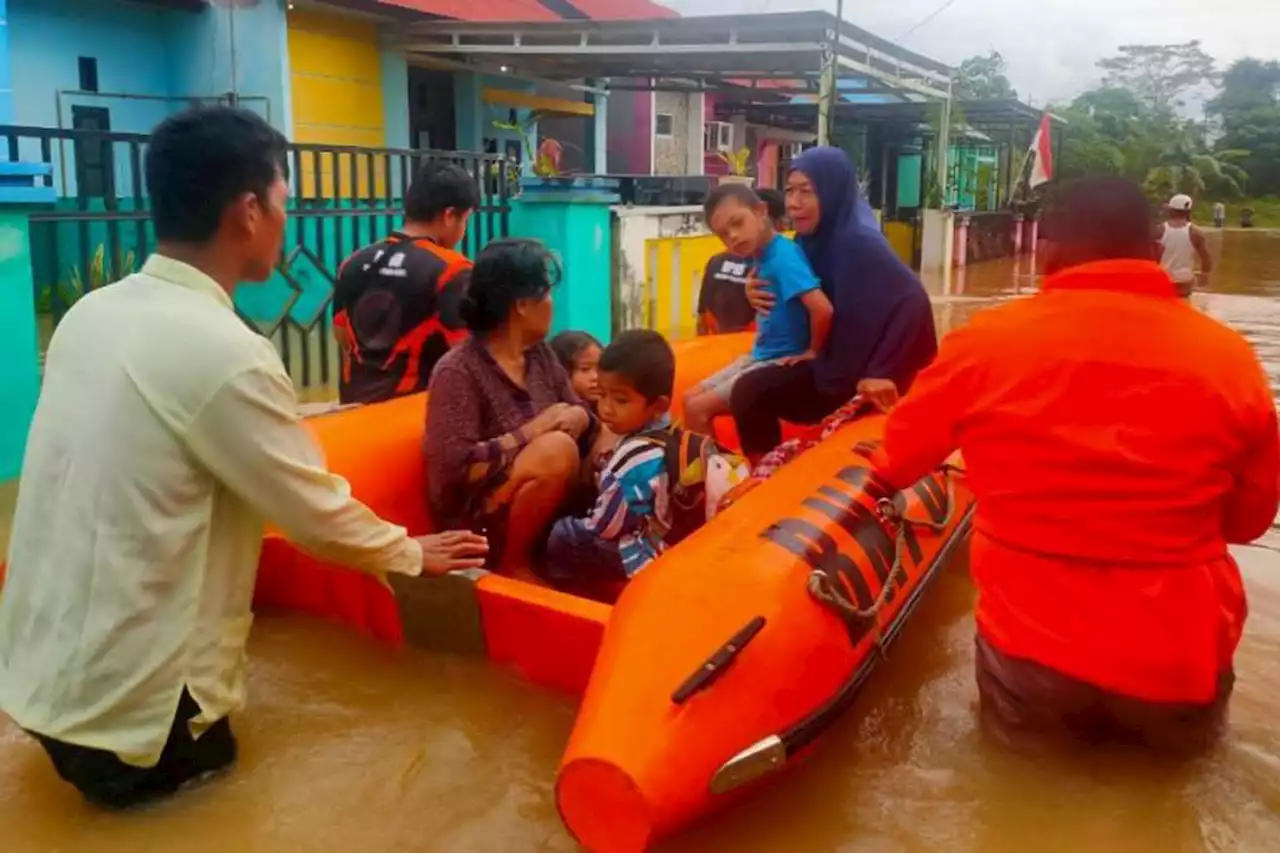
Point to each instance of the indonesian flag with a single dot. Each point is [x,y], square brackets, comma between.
[1041,154]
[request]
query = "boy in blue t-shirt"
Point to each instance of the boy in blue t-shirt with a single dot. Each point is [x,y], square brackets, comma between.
[794,329]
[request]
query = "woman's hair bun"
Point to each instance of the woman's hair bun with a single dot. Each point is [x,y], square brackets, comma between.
[505,272]
[468,310]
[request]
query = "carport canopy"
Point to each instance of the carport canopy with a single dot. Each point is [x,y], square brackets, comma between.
[769,56]
[978,114]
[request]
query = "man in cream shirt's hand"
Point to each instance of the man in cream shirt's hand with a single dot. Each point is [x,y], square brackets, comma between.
[167,432]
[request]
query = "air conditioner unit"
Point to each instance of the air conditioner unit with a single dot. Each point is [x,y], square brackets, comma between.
[717,136]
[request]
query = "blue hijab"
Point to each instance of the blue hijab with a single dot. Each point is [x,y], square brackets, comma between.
[883,323]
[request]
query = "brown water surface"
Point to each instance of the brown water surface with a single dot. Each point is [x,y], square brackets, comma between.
[347,746]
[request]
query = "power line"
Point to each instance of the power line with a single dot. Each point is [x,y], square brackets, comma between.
[927,18]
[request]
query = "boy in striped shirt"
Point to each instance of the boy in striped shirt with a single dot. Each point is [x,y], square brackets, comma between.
[661,481]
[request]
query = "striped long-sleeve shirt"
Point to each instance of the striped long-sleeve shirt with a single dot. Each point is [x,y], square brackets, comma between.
[633,508]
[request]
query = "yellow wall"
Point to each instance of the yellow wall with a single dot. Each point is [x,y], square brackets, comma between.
[335,68]
[673,268]
[901,236]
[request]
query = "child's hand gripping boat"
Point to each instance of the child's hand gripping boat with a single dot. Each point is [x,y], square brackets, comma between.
[719,663]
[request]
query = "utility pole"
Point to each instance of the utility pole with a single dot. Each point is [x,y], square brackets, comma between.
[828,91]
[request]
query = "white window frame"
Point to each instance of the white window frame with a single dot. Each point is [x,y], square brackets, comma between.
[658,133]
[717,136]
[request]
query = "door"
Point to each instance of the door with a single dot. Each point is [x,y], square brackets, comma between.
[432,124]
[94,158]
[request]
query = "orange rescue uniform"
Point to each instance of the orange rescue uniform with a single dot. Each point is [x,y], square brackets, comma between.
[1117,439]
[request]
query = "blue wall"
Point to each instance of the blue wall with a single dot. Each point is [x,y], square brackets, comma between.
[199,57]
[6,78]
[141,51]
[47,37]
[145,50]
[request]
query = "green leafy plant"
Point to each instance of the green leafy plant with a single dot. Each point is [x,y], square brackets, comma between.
[78,283]
[738,161]
[546,161]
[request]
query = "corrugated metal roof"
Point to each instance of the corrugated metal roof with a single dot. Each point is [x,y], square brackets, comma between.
[623,10]
[486,10]
[533,10]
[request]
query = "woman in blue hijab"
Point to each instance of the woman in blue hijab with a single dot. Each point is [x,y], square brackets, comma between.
[882,333]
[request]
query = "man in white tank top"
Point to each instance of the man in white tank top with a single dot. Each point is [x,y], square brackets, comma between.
[1181,243]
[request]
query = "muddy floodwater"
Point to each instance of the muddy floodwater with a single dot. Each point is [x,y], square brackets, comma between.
[347,746]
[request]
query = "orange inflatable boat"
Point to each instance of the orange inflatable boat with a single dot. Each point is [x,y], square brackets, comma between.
[735,650]
[378,449]
[719,663]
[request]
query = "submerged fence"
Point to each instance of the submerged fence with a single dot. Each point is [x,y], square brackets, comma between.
[341,198]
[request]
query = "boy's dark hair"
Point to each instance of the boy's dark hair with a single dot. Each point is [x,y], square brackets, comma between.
[775,201]
[569,345]
[506,271]
[742,192]
[643,358]
[200,161]
[438,187]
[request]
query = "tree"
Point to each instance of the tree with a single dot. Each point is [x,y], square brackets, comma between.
[1184,167]
[1248,84]
[983,77]
[1248,113]
[1111,131]
[1158,74]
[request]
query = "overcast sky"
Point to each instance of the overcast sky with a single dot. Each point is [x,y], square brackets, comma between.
[1050,46]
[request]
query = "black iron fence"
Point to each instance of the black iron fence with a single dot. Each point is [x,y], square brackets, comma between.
[341,198]
[989,236]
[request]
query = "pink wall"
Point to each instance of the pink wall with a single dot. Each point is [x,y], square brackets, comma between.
[630,132]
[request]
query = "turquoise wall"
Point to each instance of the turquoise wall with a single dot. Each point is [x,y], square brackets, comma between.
[395,99]
[909,180]
[575,224]
[20,379]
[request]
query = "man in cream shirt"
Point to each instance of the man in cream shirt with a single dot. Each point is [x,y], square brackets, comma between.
[166,434]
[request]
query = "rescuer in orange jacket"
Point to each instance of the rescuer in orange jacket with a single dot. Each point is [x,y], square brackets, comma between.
[1117,439]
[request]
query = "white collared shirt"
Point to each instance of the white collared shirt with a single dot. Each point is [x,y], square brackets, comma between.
[166,434]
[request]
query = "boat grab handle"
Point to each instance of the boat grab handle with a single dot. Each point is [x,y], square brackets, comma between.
[720,661]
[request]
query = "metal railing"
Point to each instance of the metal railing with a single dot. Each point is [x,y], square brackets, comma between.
[341,198]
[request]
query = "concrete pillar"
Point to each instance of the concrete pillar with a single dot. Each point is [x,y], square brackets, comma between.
[600,133]
[468,111]
[694,134]
[573,218]
[395,99]
[22,188]
[20,192]
[962,240]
